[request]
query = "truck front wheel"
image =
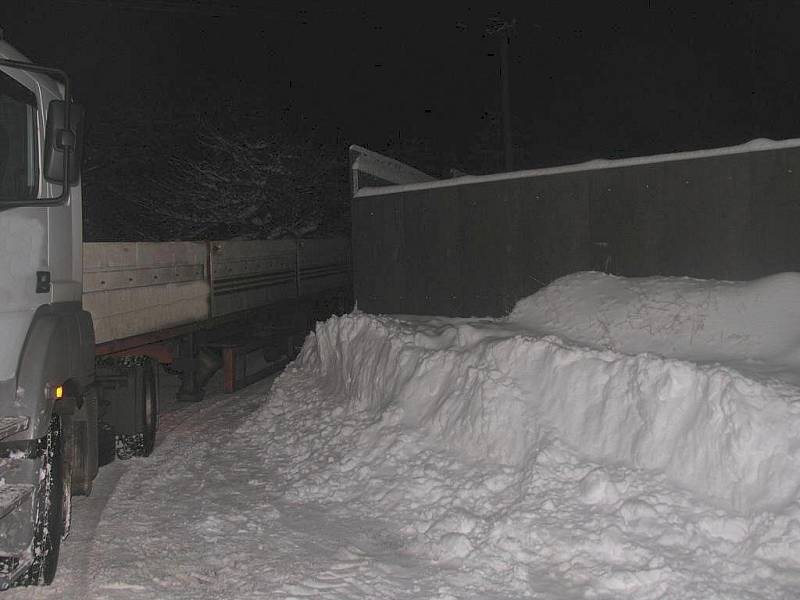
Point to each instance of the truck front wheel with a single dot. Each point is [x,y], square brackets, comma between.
[50,509]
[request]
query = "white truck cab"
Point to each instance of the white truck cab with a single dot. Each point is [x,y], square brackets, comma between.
[48,444]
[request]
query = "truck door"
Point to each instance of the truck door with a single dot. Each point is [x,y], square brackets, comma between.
[23,230]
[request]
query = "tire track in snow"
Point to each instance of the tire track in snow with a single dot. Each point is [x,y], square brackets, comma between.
[81,561]
[189,435]
[72,578]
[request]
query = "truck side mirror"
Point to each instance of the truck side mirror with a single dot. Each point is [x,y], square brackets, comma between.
[57,137]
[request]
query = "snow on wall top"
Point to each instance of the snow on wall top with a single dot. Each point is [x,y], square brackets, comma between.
[757,145]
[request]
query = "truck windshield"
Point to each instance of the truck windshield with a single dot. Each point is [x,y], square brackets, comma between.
[18,170]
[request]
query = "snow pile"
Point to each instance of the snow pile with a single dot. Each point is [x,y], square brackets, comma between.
[410,457]
[492,390]
[745,322]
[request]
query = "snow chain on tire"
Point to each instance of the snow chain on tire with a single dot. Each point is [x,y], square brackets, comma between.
[49,511]
[128,446]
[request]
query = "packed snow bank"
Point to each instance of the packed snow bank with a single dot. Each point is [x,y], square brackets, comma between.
[494,390]
[389,512]
[523,457]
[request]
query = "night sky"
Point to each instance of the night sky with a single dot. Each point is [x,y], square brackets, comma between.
[640,79]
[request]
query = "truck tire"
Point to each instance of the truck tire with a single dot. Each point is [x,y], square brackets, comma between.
[146,388]
[50,516]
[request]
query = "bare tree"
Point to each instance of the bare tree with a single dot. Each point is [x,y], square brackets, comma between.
[210,179]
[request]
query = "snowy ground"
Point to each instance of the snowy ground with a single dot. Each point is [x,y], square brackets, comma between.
[611,438]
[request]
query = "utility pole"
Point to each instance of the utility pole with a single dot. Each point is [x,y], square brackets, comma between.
[503,28]
[504,78]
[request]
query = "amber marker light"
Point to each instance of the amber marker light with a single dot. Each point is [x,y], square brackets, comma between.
[54,392]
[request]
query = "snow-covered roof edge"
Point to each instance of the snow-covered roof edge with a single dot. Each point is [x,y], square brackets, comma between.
[757,145]
[382,167]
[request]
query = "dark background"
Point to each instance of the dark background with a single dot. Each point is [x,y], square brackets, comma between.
[417,82]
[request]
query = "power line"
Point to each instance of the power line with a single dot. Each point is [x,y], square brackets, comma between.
[217,8]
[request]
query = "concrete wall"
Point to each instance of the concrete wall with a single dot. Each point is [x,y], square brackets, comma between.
[474,249]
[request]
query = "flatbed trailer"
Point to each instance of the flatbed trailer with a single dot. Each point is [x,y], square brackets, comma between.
[147,298]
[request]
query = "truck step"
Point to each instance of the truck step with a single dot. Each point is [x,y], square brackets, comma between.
[12,495]
[11,425]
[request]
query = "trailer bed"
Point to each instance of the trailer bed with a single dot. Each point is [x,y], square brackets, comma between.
[142,288]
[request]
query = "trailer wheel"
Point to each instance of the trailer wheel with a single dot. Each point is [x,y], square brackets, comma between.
[146,386]
[51,510]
